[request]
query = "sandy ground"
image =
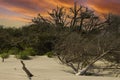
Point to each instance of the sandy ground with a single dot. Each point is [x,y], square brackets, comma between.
[42,68]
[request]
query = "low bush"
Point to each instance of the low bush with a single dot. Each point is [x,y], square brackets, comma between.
[30,51]
[23,55]
[4,56]
[50,54]
[13,51]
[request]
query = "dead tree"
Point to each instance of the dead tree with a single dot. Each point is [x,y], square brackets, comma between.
[83,19]
[75,12]
[81,52]
[41,20]
[29,74]
[59,17]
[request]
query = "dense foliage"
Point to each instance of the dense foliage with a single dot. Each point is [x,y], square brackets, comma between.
[39,38]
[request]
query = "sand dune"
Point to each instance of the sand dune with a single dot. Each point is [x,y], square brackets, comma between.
[42,68]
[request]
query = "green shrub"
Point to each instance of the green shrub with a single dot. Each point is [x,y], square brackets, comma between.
[3,51]
[50,54]
[23,55]
[30,51]
[26,53]
[4,56]
[13,51]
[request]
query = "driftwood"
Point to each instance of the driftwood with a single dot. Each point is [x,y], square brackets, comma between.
[29,74]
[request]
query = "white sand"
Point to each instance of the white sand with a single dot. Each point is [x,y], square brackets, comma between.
[42,68]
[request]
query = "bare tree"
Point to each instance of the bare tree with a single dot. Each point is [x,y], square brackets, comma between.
[78,18]
[40,20]
[59,17]
[84,19]
[93,41]
[80,52]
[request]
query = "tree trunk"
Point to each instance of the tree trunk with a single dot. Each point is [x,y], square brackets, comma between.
[83,71]
[68,64]
[73,67]
[3,60]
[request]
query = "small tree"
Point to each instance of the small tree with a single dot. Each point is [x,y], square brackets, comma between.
[4,56]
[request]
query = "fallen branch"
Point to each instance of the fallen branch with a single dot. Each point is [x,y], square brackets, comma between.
[29,74]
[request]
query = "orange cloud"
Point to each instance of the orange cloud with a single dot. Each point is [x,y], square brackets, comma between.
[21,19]
[105,6]
[2,16]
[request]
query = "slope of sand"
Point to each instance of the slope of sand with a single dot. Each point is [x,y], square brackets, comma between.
[42,68]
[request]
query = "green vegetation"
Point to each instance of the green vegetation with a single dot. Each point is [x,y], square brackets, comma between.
[23,55]
[50,54]
[26,53]
[30,51]
[13,51]
[4,56]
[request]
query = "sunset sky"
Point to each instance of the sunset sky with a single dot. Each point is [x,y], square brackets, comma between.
[19,12]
